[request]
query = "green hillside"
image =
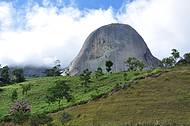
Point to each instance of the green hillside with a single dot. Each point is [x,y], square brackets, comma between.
[37,95]
[146,99]
[162,100]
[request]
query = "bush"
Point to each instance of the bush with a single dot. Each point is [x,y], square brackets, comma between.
[19,117]
[134,64]
[18,75]
[14,95]
[109,65]
[20,111]
[5,77]
[40,119]
[85,78]
[98,73]
[168,62]
[25,88]
[60,91]
[97,96]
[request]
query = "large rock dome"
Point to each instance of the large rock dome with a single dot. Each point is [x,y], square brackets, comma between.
[115,42]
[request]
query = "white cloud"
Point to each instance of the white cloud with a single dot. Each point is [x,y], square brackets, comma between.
[5,16]
[164,24]
[51,34]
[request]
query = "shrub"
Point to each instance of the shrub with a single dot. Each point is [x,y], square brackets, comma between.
[40,119]
[98,73]
[56,70]
[85,78]
[134,64]
[14,95]
[5,74]
[175,54]
[97,96]
[25,88]
[109,65]
[20,111]
[18,75]
[168,62]
[60,91]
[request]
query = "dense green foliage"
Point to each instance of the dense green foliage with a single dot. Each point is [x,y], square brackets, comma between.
[168,62]
[25,88]
[14,95]
[8,77]
[85,78]
[59,91]
[18,75]
[55,71]
[109,65]
[98,73]
[5,74]
[175,54]
[134,64]
[172,60]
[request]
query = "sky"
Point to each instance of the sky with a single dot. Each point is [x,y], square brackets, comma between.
[38,32]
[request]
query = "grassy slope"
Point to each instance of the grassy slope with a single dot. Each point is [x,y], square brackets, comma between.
[163,99]
[36,96]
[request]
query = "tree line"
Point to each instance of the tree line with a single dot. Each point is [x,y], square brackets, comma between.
[8,76]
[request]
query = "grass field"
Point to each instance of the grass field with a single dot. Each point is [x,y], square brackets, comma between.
[162,100]
[36,96]
[151,100]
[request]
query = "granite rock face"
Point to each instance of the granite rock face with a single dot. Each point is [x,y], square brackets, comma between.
[115,42]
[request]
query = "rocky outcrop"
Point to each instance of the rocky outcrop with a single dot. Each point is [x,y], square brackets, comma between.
[115,42]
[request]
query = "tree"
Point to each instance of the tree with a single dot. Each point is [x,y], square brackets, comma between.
[168,62]
[187,57]
[5,74]
[98,73]
[14,95]
[25,88]
[56,70]
[109,65]
[85,78]
[175,54]
[134,64]
[18,75]
[60,91]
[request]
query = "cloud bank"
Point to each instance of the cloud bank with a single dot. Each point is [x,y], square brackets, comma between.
[43,34]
